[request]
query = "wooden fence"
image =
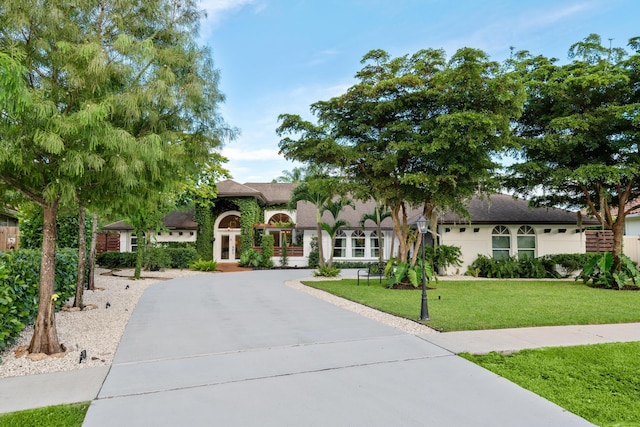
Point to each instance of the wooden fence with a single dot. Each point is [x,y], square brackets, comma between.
[9,238]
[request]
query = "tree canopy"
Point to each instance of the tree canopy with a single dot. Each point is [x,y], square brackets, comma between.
[119,101]
[580,131]
[415,131]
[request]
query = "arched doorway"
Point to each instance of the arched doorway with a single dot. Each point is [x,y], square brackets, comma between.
[226,246]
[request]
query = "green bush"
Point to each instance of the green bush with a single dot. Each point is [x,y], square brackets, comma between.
[267,246]
[156,259]
[250,258]
[327,271]
[181,257]
[115,259]
[202,265]
[485,266]
[314,255]
[19,287]
[599,272]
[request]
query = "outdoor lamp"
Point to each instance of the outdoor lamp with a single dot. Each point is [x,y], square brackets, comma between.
[423,227]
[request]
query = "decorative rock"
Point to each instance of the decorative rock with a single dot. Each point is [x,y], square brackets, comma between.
[58,355]
[90,307]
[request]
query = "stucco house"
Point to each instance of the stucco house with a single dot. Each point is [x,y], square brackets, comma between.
[498,226]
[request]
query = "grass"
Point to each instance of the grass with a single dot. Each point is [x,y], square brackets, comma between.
[597,382]
[494,304]
[50,416]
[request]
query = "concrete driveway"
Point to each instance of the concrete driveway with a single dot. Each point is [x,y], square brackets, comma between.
[243,349]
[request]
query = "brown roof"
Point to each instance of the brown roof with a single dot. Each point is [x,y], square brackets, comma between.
[274,193]
[498,209]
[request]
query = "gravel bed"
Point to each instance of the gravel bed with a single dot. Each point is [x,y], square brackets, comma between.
[97,331]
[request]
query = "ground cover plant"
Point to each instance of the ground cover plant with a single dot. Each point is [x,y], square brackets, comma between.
[493,304]
[50,416]
[597,382]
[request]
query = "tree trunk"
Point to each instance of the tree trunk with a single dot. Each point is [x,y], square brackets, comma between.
[82,259]
[45,335]
[92,253]
[319,231]
[618,236]
[379,232]
[401,229]
[139,255]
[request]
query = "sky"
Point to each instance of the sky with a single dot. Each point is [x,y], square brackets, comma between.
[280,56]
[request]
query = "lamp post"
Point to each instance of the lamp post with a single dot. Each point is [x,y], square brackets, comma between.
[423,226]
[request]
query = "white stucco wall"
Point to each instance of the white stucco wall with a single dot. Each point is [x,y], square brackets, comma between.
[164,236]
[326,245]
[477,239]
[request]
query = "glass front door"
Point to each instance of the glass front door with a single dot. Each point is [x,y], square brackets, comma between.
[230,246]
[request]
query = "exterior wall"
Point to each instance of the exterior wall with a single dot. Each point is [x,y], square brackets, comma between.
[326,245]
[9,238]
[631,247]
[632,225]
[160,237]
[477,240]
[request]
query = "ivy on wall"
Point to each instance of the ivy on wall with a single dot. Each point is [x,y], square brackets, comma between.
[204,238]
[250,214]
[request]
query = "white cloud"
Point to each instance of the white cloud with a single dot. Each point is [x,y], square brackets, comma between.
[217,8]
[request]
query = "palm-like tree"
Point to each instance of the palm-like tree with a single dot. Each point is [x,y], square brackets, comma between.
[379,214]
[334,208]
[318,196]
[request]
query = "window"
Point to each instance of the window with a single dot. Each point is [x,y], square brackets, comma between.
[229,222]
[526,242]
[501,242]
[134,242]
[340,250]
[280,219]
[358,240]
[375,250]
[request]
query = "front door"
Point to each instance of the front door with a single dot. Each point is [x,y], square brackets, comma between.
[229,246]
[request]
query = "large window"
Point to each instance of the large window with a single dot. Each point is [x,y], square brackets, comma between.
[375,250]
[358,240]
[526,242]
[340,250]
[501,242]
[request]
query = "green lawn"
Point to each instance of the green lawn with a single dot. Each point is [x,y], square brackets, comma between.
[597,382]
[51,416]
[494,304]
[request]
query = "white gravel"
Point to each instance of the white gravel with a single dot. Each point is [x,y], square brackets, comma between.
[99,331]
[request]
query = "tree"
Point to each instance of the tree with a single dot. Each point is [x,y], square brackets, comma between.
[417,131]
[579,133]
[119,94]
[334,207]
[379,214]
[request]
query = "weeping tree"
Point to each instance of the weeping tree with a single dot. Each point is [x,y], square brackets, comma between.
[114,92]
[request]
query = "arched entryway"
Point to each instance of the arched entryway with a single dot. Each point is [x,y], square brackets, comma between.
[226,246]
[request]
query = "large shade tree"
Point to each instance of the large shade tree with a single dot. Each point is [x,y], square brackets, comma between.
[580,132]
[416,130]
[117,92]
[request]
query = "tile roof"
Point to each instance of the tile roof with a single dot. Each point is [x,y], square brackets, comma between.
[175,220]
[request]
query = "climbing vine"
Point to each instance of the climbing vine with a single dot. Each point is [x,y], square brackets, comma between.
[250,214]
[204,239]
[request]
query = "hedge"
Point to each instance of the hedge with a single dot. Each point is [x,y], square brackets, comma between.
[156,257]
[19,287]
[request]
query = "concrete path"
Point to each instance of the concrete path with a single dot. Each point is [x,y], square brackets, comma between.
[243,349]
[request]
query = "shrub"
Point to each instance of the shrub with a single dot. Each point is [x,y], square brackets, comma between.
[181,257]
[202,265]
[284,257]
[115,259]
[156,258]
[445,256]
[19,287]
[314,255]
[598,271]
[485,266]
[267,246]
[327,271]
[250,258]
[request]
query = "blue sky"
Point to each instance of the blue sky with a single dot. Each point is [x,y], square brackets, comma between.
[280,56]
